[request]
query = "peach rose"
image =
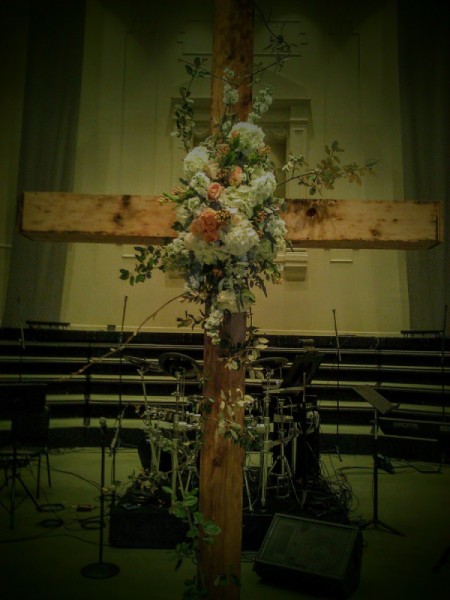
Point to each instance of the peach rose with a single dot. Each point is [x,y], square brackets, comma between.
[214,191]
[212,169]
[235,176]
[206,226]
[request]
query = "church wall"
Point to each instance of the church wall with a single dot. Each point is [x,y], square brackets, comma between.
[347,76]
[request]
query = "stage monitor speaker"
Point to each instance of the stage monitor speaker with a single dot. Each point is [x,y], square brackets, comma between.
[313,556]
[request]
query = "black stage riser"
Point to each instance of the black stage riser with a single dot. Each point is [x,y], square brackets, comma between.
[149,527]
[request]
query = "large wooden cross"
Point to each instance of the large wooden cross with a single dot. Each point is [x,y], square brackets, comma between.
[132,219]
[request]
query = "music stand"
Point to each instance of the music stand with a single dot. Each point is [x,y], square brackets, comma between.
[302,370]
[17,400]
[298,376]
[380,406]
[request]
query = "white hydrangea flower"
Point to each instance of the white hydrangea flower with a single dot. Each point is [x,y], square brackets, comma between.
[263,187]
[241,237]
[195,160]
[189,207]
[238,199]
[278,230]
[204,252]
[265,250]
[251,137]
[200,182]
[258,171]
[226,299]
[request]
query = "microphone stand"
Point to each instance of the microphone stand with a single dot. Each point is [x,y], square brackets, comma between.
[338,377]
[100,569]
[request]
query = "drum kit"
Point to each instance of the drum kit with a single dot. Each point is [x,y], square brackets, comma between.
[278,423]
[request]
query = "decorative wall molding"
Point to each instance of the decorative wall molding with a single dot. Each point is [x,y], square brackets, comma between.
[294,263]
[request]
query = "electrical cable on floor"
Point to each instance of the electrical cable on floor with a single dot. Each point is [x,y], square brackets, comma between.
[51,523]
[88,481]
[405,464]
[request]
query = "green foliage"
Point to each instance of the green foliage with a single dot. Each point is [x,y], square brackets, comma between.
[184,113]
[200,530]
[326,172]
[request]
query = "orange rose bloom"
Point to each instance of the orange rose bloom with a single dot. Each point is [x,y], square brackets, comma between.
[206,226]
[235,176]
[214,191]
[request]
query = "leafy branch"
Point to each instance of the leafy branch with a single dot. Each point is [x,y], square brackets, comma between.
[278,45]
[184,112]
[326,172]
[199,530]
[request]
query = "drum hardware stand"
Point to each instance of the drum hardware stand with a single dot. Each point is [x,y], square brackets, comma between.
[269,365]
[247,490]
[177,424]
[175,475]
[116,439]
[264,460]
[192,469]
[181,367]
[155,453]
[285,473]
[303,433]
[248,425]
[265,451]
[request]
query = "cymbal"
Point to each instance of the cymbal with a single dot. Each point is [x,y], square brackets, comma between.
[291,390]
[176,364]
[142,362]
[269,362]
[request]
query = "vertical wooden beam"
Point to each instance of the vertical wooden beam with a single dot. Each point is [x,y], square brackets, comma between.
[221,471]
[221,462]
[232,48]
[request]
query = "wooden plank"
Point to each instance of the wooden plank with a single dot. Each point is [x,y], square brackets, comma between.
[364,224]
[132,219]
[100,218]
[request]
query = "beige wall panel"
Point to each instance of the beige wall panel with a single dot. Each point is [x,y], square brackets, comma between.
[345,74]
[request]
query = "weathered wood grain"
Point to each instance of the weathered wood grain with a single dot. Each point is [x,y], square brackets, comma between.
[132,219]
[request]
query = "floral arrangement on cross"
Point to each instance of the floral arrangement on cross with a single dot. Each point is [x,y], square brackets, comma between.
[229,221]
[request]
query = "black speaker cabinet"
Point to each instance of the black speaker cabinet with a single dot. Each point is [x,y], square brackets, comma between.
[317,557]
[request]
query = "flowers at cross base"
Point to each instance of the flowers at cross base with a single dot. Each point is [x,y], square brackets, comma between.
[228,223]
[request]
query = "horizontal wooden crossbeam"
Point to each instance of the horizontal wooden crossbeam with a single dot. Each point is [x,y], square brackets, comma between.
[133,219]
